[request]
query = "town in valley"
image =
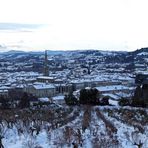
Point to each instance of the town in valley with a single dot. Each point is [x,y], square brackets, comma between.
[80,98]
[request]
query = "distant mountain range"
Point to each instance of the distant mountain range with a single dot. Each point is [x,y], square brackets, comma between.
[140,55]
[4,51]
[103,59]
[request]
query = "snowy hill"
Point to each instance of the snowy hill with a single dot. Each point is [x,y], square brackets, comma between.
[119,56]
[143,53]
[84,126]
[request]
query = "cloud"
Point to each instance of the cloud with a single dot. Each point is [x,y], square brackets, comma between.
[19,27]
[2,46]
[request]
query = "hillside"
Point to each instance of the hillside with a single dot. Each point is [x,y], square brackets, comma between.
[84,126]
[106,56]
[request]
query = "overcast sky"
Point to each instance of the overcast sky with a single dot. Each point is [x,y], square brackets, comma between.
[73,24]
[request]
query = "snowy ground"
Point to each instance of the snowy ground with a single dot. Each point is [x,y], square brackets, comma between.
[85,126]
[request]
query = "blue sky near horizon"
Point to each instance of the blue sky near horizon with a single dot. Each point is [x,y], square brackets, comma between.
[73,24]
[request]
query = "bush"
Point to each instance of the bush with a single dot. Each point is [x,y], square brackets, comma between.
[124,102]
[105,100]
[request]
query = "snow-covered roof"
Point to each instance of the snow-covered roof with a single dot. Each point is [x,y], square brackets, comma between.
[137,72]
[1,91]
[122,94]
[43,99]
[4,87]
[112,96]
[113,102]
[57,80]
[88,80]
[44,86]
[64,84]
[112,87]
[38,83]
[61,97]
[45,77]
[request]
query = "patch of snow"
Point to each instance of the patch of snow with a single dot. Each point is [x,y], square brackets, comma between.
[142,53]
[113,96]
[43,99]
[112,87]
[113,102]
[61,97]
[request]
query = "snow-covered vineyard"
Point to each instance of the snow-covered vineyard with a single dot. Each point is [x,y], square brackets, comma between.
[78,126]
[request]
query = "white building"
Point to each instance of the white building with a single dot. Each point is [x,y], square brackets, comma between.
[114,89]
[41,90]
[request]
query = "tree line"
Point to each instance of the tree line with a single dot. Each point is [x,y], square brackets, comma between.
[87,96]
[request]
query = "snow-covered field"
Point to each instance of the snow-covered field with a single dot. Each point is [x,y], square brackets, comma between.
[82,126]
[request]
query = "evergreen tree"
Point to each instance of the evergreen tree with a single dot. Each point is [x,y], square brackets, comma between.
[25,101]
[137,99]
[4,102]
[70,99]
[105,100]
[89,96]
[138,93]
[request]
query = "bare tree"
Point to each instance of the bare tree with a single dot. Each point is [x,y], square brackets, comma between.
[1,144]
[136,139]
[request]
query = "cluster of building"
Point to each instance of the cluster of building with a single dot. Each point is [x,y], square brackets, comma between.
[73,78]
[49,86]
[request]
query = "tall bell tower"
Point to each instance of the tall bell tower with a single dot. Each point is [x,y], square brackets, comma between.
[46,66]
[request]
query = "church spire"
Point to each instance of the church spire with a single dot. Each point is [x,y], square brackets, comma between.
[46,68]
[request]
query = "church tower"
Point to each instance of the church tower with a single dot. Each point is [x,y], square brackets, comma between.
[46,67]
